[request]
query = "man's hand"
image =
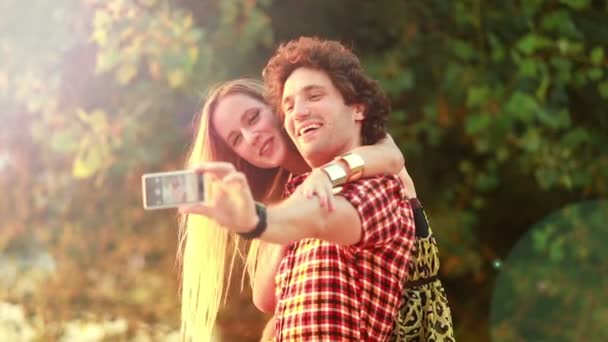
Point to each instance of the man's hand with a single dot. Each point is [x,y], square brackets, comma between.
[228,199]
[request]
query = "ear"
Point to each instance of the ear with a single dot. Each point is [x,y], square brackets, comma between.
[359,112]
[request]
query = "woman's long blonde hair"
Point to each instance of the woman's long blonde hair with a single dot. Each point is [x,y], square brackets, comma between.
[203,245]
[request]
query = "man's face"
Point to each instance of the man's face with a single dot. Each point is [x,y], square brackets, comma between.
[316,118]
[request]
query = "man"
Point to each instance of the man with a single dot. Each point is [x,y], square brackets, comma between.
[343,273]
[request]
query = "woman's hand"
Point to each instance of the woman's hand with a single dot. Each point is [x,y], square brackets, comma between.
[408,183]
[317,184]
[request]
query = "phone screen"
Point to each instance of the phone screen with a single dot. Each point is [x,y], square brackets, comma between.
[165,190]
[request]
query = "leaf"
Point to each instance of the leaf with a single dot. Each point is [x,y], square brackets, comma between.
[558,21]
[549,118]
[531,43]
[477,123]
[568,47]
[556,250]
[595,74]
[528,67]
[463,50]
[64,141]
[176,78]
[100,36]
[106,60]
[399,115]
[541,91]
[540,237]
[502,154]
[531,140]
[577,137]
[603,89]
[125,73]
[497,48]
[486,181]
[597,55]
[576,4]
[192,55]
[523,106]
[546,178]
[477,96]
[96,120]
[88,160]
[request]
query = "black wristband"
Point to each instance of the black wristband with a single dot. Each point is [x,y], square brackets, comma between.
[259,229]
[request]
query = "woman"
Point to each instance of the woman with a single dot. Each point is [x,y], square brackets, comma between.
[236,125]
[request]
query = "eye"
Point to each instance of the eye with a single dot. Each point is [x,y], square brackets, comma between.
[253,118]
[315,96]
[237,140]
[288,108]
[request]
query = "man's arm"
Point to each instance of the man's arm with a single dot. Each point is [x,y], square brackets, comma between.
[228,201]
[368,212]
[298,218]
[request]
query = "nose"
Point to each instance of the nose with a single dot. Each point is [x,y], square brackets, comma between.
[251,138]
[300,111]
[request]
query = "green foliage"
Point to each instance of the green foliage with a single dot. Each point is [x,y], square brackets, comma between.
[514,85]
[552,283]
[501,112]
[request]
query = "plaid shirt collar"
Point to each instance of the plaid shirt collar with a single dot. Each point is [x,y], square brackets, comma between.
[294,182]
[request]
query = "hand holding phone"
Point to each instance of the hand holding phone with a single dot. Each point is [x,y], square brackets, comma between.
[162,190]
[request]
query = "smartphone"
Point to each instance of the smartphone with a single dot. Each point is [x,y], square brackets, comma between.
[162,190]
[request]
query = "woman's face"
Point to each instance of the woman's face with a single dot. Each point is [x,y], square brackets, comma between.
[251,129]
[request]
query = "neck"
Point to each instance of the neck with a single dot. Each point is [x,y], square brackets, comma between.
[318,160]
[294,163]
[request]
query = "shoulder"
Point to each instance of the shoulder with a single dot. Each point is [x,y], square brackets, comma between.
[373,188]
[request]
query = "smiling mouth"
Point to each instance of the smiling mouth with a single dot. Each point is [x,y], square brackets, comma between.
[308,129]
[266,147]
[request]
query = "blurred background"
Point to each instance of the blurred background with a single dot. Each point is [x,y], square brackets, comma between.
[500,108]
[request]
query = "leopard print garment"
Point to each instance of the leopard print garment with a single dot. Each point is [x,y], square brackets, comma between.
[425,314]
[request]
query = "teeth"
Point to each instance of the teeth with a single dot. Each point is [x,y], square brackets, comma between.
[307,128]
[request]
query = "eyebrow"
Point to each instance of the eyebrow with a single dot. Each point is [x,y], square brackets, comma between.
[303,90]
[242,119]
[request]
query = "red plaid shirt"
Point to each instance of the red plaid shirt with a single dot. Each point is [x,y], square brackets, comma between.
[328,292]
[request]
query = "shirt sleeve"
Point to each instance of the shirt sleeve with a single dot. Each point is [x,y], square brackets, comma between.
[382,208]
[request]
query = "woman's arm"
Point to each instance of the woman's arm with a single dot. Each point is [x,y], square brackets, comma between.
[382,157]
[264,286]
[408,183]
[268,332]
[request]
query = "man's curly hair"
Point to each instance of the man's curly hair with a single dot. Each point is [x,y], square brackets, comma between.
[345,71]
